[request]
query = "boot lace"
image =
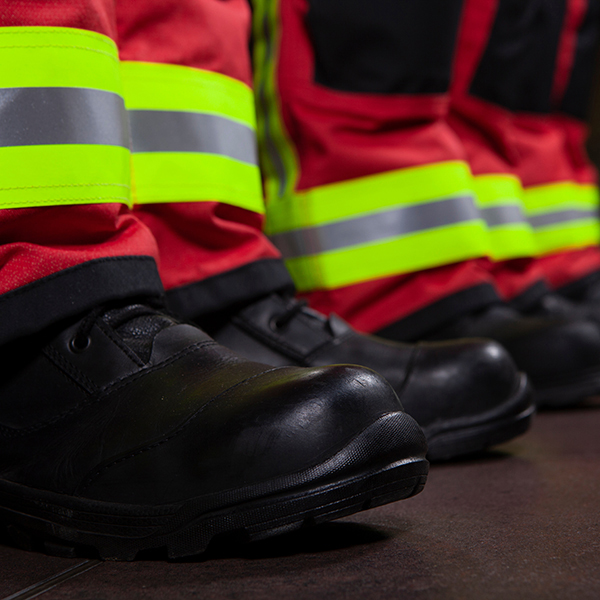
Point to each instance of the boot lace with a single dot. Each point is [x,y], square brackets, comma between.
[81,340]
[295,307]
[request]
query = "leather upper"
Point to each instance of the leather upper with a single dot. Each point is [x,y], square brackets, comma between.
[585,306]
[433,381]
[548,348]
[175,417]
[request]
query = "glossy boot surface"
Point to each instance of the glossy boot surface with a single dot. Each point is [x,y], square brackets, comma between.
[128,430]
[559,350]
[580,299]
[466,395]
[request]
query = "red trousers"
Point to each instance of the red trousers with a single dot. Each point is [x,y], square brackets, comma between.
[46,252]
[211,254]
[532,124]
[352,111]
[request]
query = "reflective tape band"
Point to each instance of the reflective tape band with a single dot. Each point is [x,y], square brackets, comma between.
[375,227]
[173,131]
[355,197]
[61,175]
[154,86]
[406,254]
[563,215]
[64,137]
[579,234]
[497,187]
[195,177]
[567,228]
[509,236]
[193,136]
[554,195]
[503,214]
[38,116]
[58,57]
[499,197]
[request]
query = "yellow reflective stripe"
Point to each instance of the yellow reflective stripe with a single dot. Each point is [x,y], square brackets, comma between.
[376,226]
[58,57]
[544,198]
[170,174]
[503,192]
[61,175]
[564,215]
[52,66]
[153,86]
[588,194]
[430,220]
[511,241]
[496,188]
[577,234]
[361,196]
[409,253]
[278,156]
[193,177]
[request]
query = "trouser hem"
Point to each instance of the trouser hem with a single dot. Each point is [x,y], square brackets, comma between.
[529,297]
[426,320]
[576,289]
[236,287]
[76,290]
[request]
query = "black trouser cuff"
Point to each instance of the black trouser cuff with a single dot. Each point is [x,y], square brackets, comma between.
[76,290]
[232,288]
[423,322]
[578,289]
[530,297]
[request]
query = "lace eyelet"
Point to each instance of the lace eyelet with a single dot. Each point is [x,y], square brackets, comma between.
[76,346]
[275,324]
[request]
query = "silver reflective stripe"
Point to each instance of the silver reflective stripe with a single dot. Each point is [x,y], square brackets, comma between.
[42,116]
[376,227]
[179,131]
[507,214]
[560,217]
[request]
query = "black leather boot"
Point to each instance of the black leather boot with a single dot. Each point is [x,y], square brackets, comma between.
[128,430]
[581,297]
[559,351]
[466,395]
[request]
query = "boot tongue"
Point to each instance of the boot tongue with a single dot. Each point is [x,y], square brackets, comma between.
[137,325]
[332,324]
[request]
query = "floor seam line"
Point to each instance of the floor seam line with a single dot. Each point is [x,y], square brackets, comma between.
[37,589]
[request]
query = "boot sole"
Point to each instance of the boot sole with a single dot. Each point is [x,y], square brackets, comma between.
[371,470]
[568,393]
[460,437]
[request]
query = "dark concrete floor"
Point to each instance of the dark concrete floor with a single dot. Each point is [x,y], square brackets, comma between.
[522,522]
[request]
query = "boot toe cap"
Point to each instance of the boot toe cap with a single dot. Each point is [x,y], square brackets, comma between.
[451,380]
[273,425]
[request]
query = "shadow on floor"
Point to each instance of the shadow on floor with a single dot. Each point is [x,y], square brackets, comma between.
[324,538]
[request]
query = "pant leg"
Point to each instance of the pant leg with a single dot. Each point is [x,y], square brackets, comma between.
[197,184]
[368,192]
[69,240]
[483,122]
[515,63]
[573,90]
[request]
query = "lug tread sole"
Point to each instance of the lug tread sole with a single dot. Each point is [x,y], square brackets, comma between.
[254,521]
[377,466]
